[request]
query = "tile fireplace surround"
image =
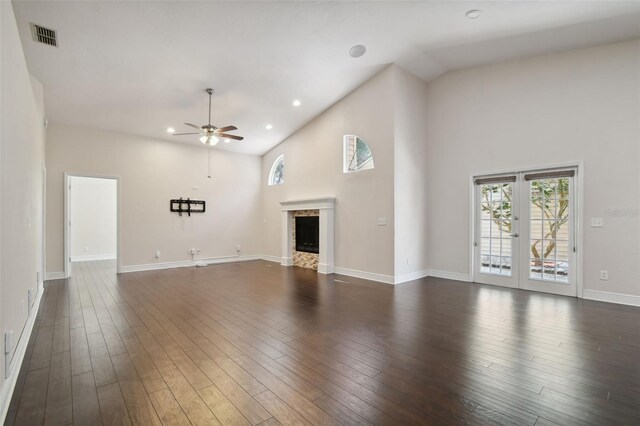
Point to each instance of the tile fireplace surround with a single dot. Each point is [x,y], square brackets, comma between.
[326,208]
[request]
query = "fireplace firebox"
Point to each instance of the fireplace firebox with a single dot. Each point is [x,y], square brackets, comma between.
[307,234]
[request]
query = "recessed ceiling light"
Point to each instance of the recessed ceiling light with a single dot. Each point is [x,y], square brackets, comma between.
[357,51]
[473,13]
[296,102]
[268,126]
[171,130]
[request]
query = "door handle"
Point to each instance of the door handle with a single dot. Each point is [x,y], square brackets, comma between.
[516,235]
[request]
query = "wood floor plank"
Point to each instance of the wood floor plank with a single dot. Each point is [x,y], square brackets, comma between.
[86,408]
[168,408]
[59,396]
[221,407]
[256,343]
[194,407]
[281,411]
[112,406]
[141,411]
[31,409]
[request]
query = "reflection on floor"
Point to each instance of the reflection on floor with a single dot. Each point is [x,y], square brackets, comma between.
[253,342]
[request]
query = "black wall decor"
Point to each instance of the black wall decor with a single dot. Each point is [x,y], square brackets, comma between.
[187,206]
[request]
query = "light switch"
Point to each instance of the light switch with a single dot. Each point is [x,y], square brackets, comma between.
[597,222]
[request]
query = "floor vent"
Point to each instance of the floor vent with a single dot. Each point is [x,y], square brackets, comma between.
[44,35]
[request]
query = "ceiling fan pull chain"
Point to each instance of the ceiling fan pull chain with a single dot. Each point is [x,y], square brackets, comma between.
[209,162]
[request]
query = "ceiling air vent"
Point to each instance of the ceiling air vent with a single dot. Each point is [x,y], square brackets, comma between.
[44,35]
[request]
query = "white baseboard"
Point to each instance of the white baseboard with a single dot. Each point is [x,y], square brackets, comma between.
[10,382]
[399,279]
[270,258]
[386,279]
[188,263]
[605,296]
[456,276]
[324,268]
[54,276]
[88,257]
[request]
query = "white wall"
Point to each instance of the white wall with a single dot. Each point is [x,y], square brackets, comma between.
[410,190]
[581,105]
[93,217]
[313,169]
[21,163]
[151,173]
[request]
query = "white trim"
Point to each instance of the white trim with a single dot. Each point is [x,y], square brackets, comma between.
[188,263]
[270,258]
[286,261]
[9,384]
[324,268]
[67,243]
[411,276]
[606,296]
[55,276]
[311,204]
[386,279]
[88,257]
[456,276]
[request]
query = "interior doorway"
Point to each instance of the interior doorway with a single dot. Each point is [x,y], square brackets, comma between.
[91,219]
[525,230]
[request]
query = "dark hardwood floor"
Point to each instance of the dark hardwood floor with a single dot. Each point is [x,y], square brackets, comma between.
[255,343]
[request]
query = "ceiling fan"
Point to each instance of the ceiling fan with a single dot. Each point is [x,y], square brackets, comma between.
[210,134]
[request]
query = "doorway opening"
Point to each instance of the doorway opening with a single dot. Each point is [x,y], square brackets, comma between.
[526,230]
[91,220]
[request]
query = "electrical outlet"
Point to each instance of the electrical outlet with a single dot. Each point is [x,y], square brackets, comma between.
[191,251]
[157,254]
[604,275]
[197,251]
[238,248]
[86,249]
[382,221]
[597,222]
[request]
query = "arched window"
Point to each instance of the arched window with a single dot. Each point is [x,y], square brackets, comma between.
[357,155]
[276,175]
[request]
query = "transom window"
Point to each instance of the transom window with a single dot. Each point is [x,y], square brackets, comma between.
[276,175]
[357,155]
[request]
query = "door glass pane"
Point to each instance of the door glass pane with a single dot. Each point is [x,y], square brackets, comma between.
[549,229]
[495,228]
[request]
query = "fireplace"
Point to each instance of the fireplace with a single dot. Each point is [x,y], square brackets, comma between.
[307,235]
[321,210]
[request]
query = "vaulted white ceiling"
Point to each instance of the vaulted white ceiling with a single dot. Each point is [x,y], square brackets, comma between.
[140,67]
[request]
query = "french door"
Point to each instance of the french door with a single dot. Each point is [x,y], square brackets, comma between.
[525,231]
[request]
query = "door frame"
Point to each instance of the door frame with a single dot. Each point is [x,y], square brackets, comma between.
[67,228]
[578,224]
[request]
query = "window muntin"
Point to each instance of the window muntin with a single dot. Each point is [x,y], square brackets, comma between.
[495,227]
[276,174]
[357,154]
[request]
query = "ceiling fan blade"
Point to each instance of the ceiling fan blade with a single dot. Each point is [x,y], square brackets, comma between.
[224,135]
[180,134]
[194,126]
[226,129]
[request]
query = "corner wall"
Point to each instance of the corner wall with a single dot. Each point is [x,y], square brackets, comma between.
[579,105]
[410,182]
[151,173]
[313,169]
[21,186]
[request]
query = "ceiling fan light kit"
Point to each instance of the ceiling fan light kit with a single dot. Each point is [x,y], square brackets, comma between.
[210,134]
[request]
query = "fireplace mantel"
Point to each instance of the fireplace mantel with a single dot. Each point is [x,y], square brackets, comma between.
[326,207]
